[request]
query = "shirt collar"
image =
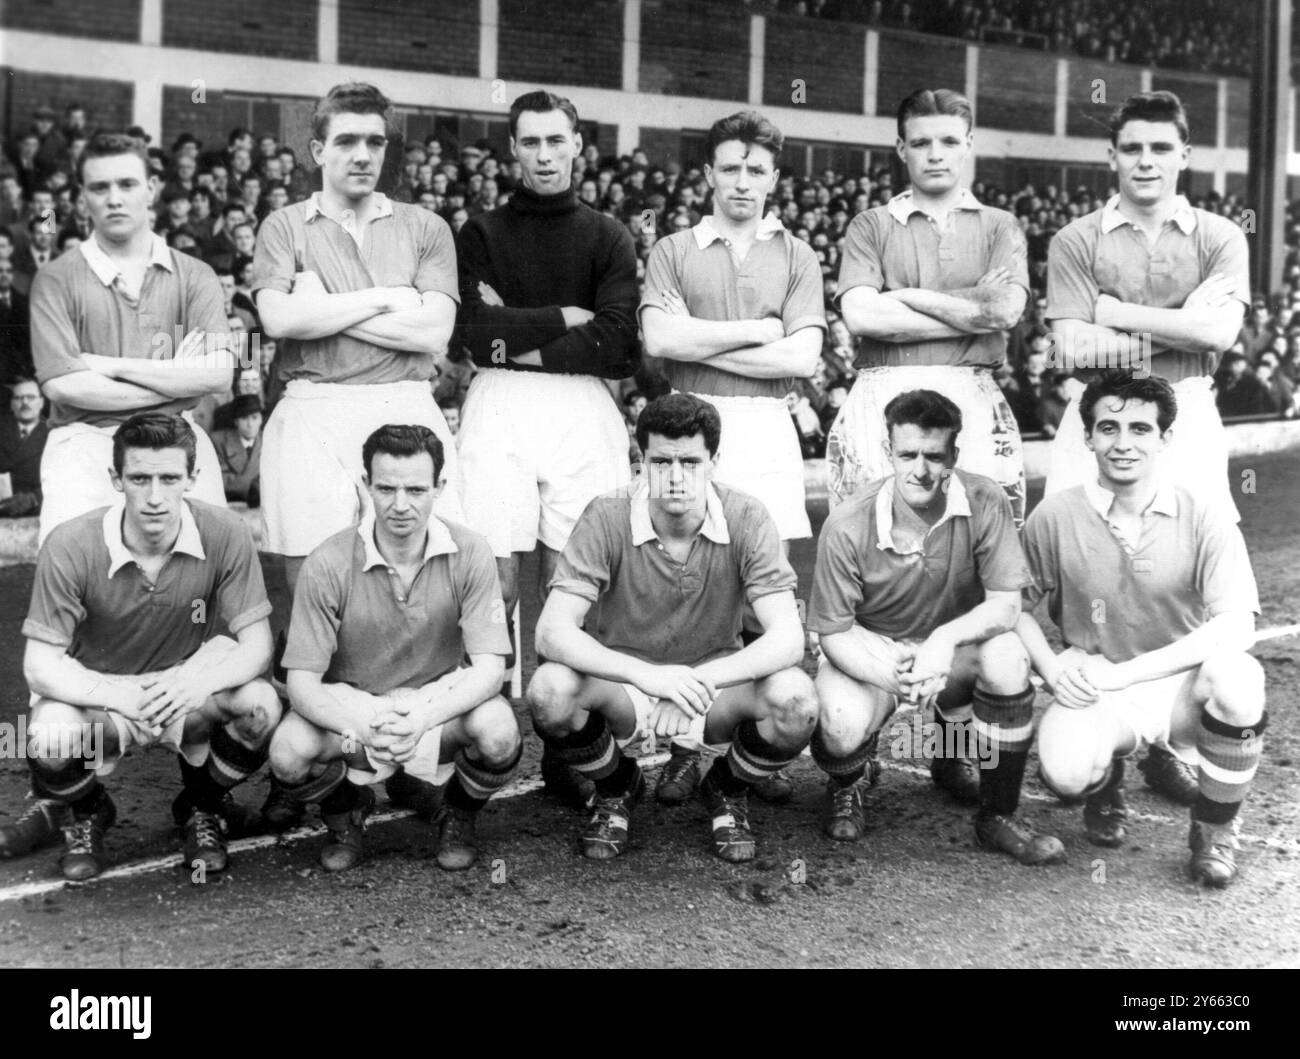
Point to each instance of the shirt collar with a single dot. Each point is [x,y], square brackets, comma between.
[958,506]
[438,542]
[1100,499]
[902,206]
[1183,216]
[188,540]
[103,267]
[381,206]
[705,234]
[715,521]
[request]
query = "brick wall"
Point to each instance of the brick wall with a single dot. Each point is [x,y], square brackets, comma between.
[104,19]
[1017,90]
[828,57]
[908,63]
[546,42]
[284,29]
[1093,91]
[435,36]
[1200,99]
[694,49]
[108,103]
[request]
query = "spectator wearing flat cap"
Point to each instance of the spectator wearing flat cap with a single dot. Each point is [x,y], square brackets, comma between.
[239,450]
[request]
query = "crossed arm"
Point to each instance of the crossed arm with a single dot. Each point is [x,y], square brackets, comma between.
[758,349]
[1207,322]
[201,364]
[914,314]
[397,318]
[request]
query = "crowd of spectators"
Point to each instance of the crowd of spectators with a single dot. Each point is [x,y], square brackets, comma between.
[211,201]
[1198,35]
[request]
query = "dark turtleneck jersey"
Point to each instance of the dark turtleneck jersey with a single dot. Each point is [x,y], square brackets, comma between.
[540,253]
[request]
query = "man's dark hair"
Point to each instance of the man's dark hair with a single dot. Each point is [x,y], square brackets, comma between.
[107,145]
[201,193]
[153,430]
[232,207]
[631,396]
[679,415]
[929,101]
[541,102]
[1124,386]
[749,127]
[1149,106]
[925,409]
[236,134]
[353,97]
[404,440]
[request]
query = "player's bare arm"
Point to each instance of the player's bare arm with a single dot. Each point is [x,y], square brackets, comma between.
[51,673]
[561,638]
[311,696]
[1208,321]
[201,365]
[416,711]
[792,355]
[869,313]
[96,392]
[934,657]
[309,311]
[426,329]
[995,303]
[671,332]
[1231,631]
[779,647]
[219,665]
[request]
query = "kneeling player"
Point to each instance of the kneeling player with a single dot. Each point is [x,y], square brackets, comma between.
[122,651]
[383,616]
[1152,589]
[660,575]
[915,593]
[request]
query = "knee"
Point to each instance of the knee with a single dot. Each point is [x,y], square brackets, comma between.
[256,711]
[59,735]
[291,754]
[1067,765]
[494,731]
[552,695]
[792,702]
[1234,682]
[1003,664]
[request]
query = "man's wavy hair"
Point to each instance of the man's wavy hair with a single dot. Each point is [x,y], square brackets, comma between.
[679,415]
[352,97]
[404,440]
[153,430]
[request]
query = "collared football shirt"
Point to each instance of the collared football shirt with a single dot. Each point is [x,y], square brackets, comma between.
[861,576]
[899,245]
[91,597]
[779,277]
[353,623]
[1103,253]
[1124,598]
[80,304]
[649,605]
[404,246]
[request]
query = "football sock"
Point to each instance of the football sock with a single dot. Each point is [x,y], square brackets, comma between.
[1004,728]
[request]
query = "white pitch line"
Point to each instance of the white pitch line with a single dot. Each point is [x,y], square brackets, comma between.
[515,790]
